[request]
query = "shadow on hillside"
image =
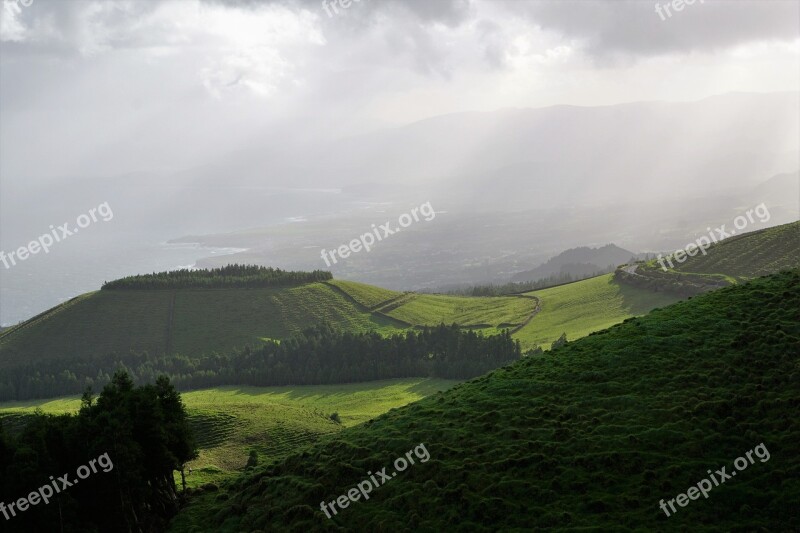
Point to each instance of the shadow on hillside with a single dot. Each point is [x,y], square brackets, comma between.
[638,301]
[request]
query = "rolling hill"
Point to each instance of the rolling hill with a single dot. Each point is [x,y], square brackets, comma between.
[192,322]
[732,260]
[592,435]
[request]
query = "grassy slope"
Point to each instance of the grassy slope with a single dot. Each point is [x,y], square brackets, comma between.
[274,421]
[580,308]
[367,295]
[204,321]
[591,435]
[740,257]
[750,255]
[488,314]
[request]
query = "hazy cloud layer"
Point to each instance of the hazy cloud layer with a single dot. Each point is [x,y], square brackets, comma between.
[113,86]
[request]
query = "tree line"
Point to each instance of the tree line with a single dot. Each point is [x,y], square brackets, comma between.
[146,435]
[317,355]
[229,276]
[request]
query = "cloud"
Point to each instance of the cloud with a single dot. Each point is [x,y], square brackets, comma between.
[448,12]
[633,27]
[84,80]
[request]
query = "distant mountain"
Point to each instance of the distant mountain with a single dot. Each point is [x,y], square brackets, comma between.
[782,190]
[578,262]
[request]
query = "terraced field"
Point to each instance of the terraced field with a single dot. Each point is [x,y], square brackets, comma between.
[490,314]
[273,421]
[369,296]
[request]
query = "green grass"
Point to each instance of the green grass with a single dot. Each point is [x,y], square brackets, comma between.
[583,307]
[98,322]
[193,322]
[274,421]
[589,436]
[208,320]
[203,321]
[369,296]
[490,313]
[750,255]
[737,258]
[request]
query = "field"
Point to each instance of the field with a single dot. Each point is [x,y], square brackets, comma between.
[488,314]
[583,307]
[273,421]
[198,321]
[589,436]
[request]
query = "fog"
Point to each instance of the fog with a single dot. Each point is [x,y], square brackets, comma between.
[268,130]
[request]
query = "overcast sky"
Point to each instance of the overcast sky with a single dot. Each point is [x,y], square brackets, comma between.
[108,87]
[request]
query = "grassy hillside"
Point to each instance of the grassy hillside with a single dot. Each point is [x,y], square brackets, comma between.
[580,308]
[589,436]
[273,421]
[733,260]
[189,321]
[197,321]
[750,255]
[490,314]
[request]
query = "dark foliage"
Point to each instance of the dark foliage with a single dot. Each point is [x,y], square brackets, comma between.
[319,355]
[146,436]
[229,276]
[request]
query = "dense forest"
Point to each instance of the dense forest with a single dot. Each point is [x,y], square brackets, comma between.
[230,276]
[318,355]
[133,439]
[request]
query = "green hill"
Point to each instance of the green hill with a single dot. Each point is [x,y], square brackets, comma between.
[735,259]
[201,321]
[148,326]
[274,421]
[132,326]
[592,435]
[185,321]
[749,255]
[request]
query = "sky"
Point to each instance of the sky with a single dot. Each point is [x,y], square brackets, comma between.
[105,88]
